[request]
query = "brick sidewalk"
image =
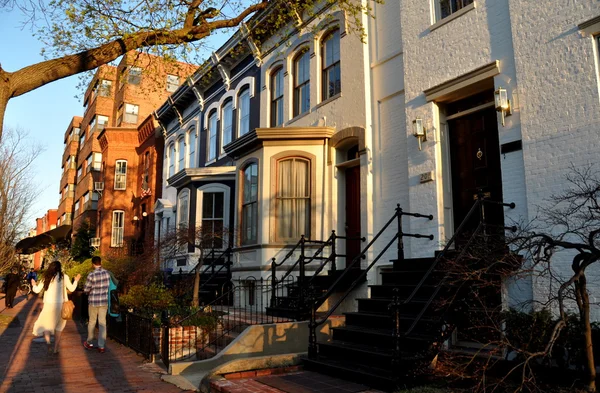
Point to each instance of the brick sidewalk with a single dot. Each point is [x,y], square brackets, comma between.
[25,367]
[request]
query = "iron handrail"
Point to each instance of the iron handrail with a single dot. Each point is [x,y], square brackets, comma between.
[288,255]
[478,204]
[227,264]
[215,260]
[398,213]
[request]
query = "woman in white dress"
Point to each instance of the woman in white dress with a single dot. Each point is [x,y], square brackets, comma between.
[55,285]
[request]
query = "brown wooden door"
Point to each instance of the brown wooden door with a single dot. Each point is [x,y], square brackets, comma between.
[353,213]
[475,161]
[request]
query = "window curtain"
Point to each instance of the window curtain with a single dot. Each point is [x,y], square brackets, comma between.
[293,215]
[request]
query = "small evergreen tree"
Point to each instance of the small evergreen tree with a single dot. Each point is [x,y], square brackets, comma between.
[80,249]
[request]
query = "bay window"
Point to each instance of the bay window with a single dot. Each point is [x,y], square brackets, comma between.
[249,204]
[293,198]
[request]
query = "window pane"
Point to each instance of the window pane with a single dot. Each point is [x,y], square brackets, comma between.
[171,160]
[207,205]
[244,109]
[227,123]
[218,205]
[181,152]
[293,205]
[212,141]
[192,138]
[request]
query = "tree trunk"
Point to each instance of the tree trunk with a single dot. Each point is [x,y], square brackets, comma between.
[587,331]
[4,97]
[195,298]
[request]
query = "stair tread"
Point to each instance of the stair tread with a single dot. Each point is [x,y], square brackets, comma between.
[376,315]
[353,368]
[359,347]
[382,332]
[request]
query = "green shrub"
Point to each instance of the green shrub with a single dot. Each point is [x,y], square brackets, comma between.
[148,300]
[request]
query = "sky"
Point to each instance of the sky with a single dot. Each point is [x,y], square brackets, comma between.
[44,113]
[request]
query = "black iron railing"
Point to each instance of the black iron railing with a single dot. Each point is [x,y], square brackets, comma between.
[203,333]
[134,331]
[316,302]
[303,281]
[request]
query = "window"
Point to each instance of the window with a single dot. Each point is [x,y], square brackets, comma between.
[244,109]
[103,88]
[448,7]
[79,172]
[227,123]
[131,113]
[212,217]
[102,122]
[172,83]
[302,83]
[76,207]
[116,238]
[81,140]
[212,136]
[86,197]
[277,98]
[293,198]
[88,163]
[250,204]
[192,149]
[135,75]
[183,209]
[332,83]
[97,163]
[181,154]
[120,175]
[171,159]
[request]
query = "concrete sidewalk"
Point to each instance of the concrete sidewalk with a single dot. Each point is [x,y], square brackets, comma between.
[25,366]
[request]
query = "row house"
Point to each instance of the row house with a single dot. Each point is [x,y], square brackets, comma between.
[269,144]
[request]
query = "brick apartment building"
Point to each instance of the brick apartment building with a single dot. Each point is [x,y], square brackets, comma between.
[103,150]
[42,225]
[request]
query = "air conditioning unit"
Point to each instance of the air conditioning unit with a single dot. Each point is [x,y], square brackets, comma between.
[99,186]
[95,242]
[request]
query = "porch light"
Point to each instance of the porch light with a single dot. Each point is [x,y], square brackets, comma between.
[502,103]
[419,131]
[144,214]
[135,218]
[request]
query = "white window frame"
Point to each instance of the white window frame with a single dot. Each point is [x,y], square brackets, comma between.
[171,158]
[275,99]
[172,83]
[117,232]
[130,113]
[300,84]
[192,142]
[278,198]
[180,146]
[335,64]
[120,176]
[243,118]
[245,203]
[211,136]
[134,75]
[215,187]
[226,129]
[438,8]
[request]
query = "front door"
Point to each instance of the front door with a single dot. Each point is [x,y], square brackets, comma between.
[475,162]
[353,214]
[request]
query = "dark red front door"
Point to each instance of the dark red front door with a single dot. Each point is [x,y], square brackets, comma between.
[353,214]
[475,161]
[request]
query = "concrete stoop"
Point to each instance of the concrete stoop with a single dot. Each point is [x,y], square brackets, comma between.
[257,347]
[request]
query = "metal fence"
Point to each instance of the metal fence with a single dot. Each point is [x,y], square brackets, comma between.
[204,333]
[133,331]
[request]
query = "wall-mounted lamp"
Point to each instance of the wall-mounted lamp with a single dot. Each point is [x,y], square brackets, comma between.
[502,103]
[135,218]
[419,131]
[144,214]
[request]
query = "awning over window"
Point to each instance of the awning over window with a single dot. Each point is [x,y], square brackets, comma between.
[34,244]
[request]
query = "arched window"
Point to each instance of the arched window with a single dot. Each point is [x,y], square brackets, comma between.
[227,123]
[181,154]
[183,216]
[277,97]
[192,148]
[244,111]
[302,83]
[121,175]
[212,136]
[171,159]
[293,198]
[250,204]
[330,54]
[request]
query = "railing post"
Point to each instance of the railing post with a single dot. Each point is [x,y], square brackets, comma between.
[333,254]
[312,327]
[395,310]
[301,275]
[400,237]
[273,281]
[228,261]
[164,339]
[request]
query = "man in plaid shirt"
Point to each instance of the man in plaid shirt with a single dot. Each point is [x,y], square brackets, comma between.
[96,286]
